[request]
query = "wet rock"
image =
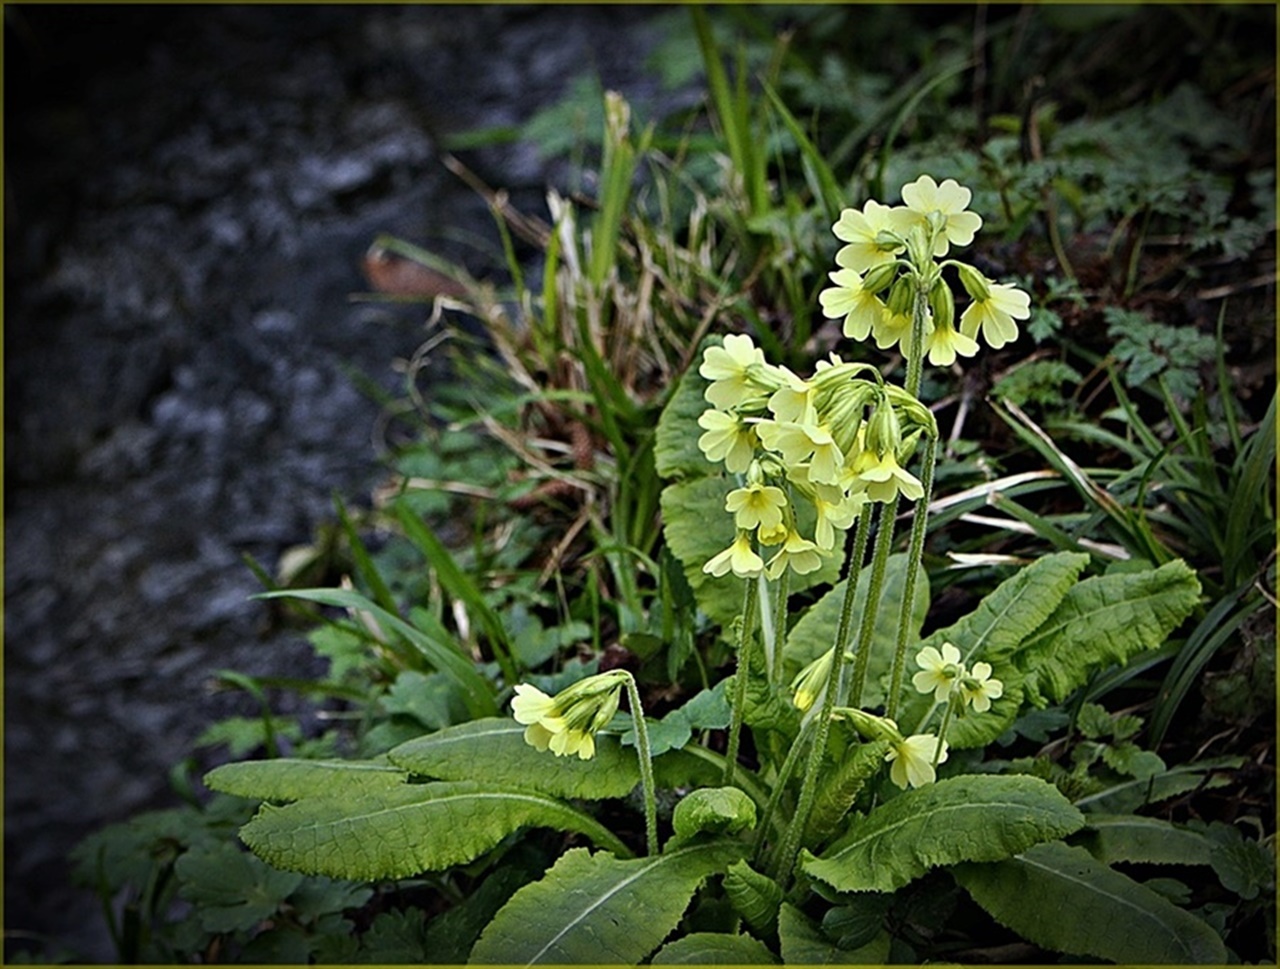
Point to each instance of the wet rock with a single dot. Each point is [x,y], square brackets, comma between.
[192,192]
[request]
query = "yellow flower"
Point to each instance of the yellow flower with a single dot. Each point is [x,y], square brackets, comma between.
[739,557]
[729,369]
[942,207]
[912,759]
[979,689]
[938,671]
[881,477]
[793,400]
[995,315]
[896,328]
[567,723]
[836,510]
[798,442]
[728,438]
[945,342]
[863,231]
[861,308]
[756,505]
[801,554]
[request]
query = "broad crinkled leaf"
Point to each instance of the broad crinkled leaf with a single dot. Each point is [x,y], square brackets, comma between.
[815,633]
[805,944]
[714,949]
[675,447]
[598,909]
[968,818]
[712,810]
[839,788]
[1133,838]
[496,748]
[404,830]
[1063,899]
[754,896]
[1105,620]
[289,779]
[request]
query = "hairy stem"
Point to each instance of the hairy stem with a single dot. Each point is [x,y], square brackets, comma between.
[915,553]
[740,685]
[645,753]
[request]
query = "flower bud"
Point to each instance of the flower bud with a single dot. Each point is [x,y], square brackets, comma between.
[901,296]
[943,304]
[878,277]
[975,284]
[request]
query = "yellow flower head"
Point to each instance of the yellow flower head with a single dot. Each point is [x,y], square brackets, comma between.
[729,368]
[860,307]
[798,443]
[728,438]
[566,724]
[979,689]
[739,557]
[880,477]
[867,234]
[994,315]
[798,552]
[913,759]
[938,671]
[756,505]
[942,209]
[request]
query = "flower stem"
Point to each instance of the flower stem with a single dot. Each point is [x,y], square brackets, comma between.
[779,787]
[790,847]
[915,553]
[645,753]
[740,685]
[781,594]
[866,630]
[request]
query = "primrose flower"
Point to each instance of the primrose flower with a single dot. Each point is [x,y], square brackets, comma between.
[942,207]
[913,759]
[881,477]
[728,438]
[861,308]
[945,343]
[810,681]
[800,442]
[567,723]
[835,511]
[938,671]
[979,689]
[896,328]
[739,557]
[994,314]
[729,370]
[801,554]
[793,399]
[756,505]
[869,236]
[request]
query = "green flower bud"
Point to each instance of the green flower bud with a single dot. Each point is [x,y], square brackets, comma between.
[901,296]
[883,431]
[878,277]
[943,304]
[975,284]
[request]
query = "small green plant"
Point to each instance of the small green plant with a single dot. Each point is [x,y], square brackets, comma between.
[842,776]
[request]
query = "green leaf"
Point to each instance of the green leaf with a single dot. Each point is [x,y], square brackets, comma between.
[709,710]
[1013,610]
[804,943]
[1129,795]
[675,450]
[712,810]
[1105,620]
[968,818]
[432,699]
[814,634]
[393,938]
[714,949]
[1061,898]
[231,889]
[754,896]
[405,830]
[445,655]
[595,908]
[1132,838]
[287,779]
[841,786]
[243,735]
[496,747]
[1242,865]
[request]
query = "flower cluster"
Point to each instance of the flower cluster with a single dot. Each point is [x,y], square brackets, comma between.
[568,722]
[834,442]
[890,254]
[944,675]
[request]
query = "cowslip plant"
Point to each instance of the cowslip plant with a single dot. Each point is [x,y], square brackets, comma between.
[839,775]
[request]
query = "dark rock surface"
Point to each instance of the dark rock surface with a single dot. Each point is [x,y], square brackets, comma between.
[189,191]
